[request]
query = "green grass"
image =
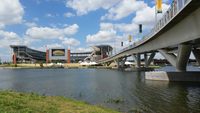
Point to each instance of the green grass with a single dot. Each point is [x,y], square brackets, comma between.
[15,102]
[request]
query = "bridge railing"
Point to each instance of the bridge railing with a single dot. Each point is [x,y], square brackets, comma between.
[174,9]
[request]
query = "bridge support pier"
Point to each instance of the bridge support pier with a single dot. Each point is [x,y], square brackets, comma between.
[171,57]
[137,59]
[173,76]
[183,57]
[107,63]
[145,60]
[121,62]
[180,61]
[149,59]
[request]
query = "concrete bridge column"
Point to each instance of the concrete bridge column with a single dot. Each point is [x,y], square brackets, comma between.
[117,62]
[145,60]
[123,62]
[107,63]
[183,57]
[150,59]
[120,62]
[180,61]
[137,59]
[171,57]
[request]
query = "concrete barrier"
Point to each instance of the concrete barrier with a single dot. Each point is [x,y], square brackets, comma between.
[173,76]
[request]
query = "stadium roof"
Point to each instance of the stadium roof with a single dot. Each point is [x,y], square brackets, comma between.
[103,47]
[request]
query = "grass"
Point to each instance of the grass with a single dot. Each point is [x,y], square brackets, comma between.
[15,102]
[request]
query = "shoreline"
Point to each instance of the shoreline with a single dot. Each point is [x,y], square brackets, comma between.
[68,66]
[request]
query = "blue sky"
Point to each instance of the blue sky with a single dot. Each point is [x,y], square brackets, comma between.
[77,24]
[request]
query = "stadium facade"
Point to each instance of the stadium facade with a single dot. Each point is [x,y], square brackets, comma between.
[23,54]
[99,52]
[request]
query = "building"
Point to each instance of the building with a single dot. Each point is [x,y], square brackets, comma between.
[99,52]
[23,54]
[57,55]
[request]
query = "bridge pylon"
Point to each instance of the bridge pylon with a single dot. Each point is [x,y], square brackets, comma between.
[137,58]
[121,62]
[148,58]
[180,60]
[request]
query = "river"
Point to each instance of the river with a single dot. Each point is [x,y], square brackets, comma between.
[120,90]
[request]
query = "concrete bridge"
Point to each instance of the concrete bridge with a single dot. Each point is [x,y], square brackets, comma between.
[175,36]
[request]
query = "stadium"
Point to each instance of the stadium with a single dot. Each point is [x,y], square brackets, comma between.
[24,54]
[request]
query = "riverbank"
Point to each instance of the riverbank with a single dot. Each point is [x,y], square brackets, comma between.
[15,102]
[68,66]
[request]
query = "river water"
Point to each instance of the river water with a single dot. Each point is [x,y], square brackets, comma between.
[123,91]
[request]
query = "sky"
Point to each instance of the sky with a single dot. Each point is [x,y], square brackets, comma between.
[74,24]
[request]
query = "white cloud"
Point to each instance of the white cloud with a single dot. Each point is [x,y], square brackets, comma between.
[68,15]
[108,34]
[127,28]
[84,6]
[80,49]
[146,16]
[71,42]
[51,33]
[9,38]
[105,34]
[8,35]
[117,9]
[11,12]
[106,26]
[123,9]
[71,30]
[101,36]
[44,33]
[56,45]
[122,27]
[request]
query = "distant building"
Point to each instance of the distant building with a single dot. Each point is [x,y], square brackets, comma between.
[99,52]
[57,55]
[23,54]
